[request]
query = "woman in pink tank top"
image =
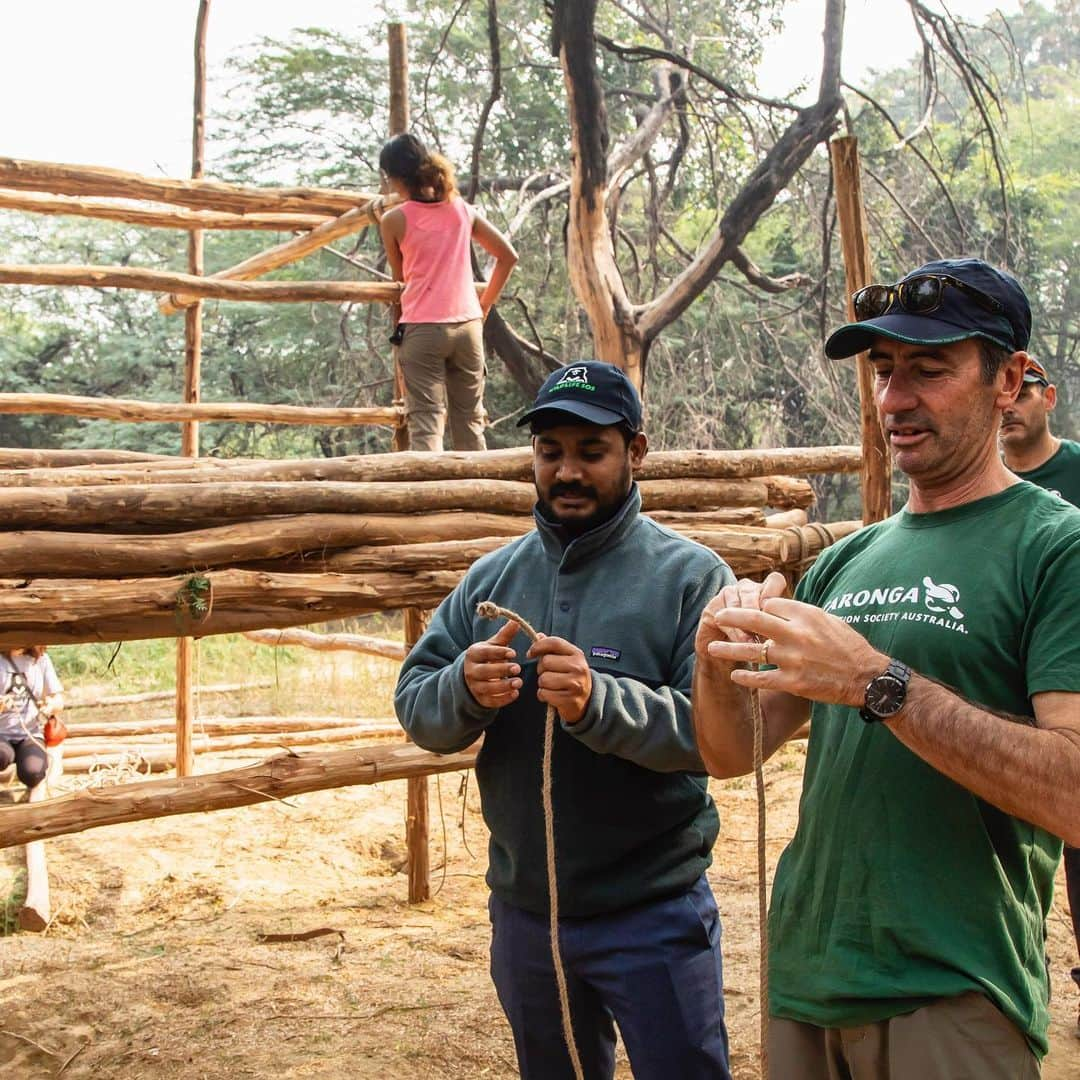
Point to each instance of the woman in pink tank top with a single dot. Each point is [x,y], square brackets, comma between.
[440,321]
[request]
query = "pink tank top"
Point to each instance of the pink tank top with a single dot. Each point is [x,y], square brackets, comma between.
[436,264]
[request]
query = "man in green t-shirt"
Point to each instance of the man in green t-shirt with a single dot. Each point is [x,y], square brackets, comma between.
[1036,455]
[938,654]
[1030,449]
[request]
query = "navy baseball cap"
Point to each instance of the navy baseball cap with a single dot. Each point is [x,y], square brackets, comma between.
[589,390]
[963,298]
[1034,372]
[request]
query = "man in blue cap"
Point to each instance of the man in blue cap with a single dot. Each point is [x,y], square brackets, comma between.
[617,598]
[938,654]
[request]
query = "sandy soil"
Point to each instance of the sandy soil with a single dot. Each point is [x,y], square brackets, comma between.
[153,967]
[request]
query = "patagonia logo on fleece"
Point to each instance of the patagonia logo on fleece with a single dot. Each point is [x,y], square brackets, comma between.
[601,652]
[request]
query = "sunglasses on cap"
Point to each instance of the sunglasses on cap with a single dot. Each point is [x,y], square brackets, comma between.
[917,295]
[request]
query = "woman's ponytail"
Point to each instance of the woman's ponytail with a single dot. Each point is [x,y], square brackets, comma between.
[437,174]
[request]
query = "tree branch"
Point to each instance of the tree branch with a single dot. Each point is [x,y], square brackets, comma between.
[745,265]
[493,96]
[771,176]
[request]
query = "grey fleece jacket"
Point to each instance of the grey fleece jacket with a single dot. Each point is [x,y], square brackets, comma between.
[633,818]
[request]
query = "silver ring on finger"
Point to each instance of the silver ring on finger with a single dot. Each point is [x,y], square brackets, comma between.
[763,655]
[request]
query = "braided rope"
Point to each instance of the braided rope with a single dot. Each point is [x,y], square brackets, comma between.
[763,915]
[487,610]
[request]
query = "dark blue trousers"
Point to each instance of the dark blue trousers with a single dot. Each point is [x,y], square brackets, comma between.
[654,970]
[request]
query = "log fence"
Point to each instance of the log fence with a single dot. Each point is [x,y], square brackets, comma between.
[112,546]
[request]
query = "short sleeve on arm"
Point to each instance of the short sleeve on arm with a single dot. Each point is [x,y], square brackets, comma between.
[1052,629]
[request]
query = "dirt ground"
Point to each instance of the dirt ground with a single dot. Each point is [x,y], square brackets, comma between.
[153,967]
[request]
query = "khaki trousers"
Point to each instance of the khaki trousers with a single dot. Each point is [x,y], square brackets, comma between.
[960,1038]
[443,366]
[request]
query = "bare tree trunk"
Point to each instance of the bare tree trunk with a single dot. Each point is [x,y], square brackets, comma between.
[622,331]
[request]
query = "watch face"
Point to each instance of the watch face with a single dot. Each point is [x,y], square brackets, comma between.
[885,695]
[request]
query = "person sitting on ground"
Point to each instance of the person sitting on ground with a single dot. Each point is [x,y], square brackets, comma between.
[30,692]
[1038,456]
[440,320]
[938,653]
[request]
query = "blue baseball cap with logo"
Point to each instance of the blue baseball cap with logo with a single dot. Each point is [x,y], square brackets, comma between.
[589,390]
[942,302]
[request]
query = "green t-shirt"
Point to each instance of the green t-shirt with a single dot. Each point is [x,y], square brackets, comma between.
[900,886]
[1061,474]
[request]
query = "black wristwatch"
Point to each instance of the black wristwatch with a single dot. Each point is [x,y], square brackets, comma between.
[885,693]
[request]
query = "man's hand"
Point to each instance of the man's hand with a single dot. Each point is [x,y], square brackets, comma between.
[743,594]
[491,671]
[564,677]
[816,655]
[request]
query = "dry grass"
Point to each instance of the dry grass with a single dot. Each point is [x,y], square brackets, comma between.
[152,966]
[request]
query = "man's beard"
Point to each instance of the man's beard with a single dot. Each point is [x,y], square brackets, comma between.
[578,526]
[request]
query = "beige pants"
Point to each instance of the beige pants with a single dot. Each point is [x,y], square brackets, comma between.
[443,365]
[960,1038]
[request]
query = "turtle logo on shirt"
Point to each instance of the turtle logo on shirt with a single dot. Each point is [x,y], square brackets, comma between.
[942,598]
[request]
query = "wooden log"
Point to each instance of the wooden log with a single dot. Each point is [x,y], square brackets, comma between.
[184,749]
[47,460]
[131,411]
[248,740]
[50,612]
[112,701]
[36,910]
[215,725]
[263,292]
[156,217]
[184,705]
[42,553]
[507,464]
[858,271]
[172,505]
[361,643]
[276,778]
[290,251]
[699,519]
[779,491]
[785,519]
[63,179]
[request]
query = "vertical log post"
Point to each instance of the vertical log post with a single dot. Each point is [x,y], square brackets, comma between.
[876,466]
[416,812]
[399,122]
[189,440]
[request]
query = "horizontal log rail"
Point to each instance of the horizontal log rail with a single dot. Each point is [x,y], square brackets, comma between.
[113,701]
[49,553]
[18,462]
[50,611]
[508,464]
[63,179]
[288,252]
[128,410]
[157,217]
[170,505]
[306,639]
[214,725]
[208,288]
[205,743]
[276,778]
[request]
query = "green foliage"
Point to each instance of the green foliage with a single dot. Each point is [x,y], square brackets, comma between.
[741,367]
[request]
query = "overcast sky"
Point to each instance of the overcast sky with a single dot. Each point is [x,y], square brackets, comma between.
[109,82]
